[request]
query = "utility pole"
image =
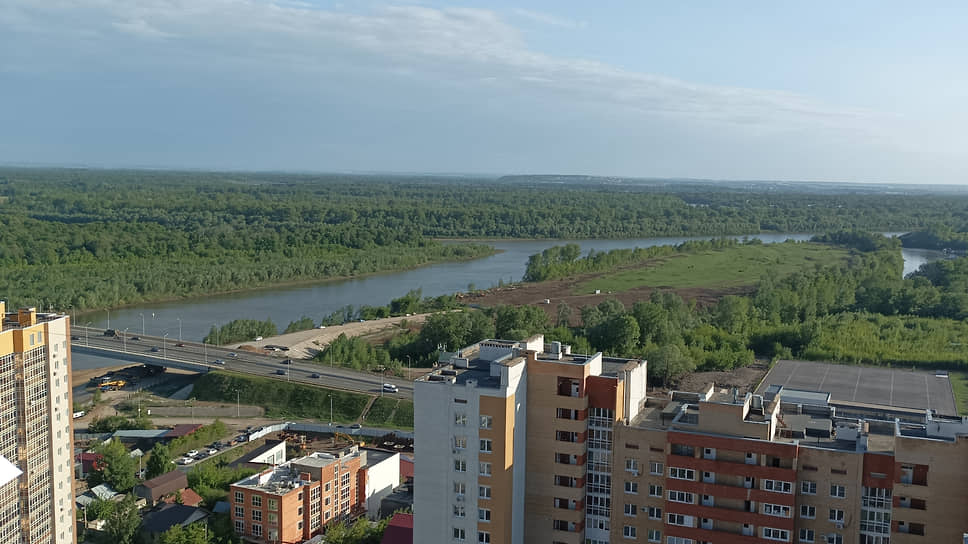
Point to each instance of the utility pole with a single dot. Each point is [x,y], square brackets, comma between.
[164,346]
[109,318]
[87,330]
[124,341]
[238,410]
[179,329]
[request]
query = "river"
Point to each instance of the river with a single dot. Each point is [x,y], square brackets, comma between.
[191,319]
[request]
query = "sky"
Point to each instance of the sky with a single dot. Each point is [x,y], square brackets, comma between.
[866,91]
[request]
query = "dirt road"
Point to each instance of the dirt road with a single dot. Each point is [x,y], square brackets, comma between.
[305,344]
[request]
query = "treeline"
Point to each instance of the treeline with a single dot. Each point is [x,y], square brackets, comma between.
[240,330]
[92,238]
[561,261]
[940,237]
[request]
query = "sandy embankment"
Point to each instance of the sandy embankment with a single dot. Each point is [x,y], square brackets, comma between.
[305,344]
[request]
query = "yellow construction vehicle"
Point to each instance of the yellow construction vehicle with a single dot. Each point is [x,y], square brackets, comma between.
[114,385]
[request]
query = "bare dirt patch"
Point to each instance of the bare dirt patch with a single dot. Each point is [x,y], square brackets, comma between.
[745,379]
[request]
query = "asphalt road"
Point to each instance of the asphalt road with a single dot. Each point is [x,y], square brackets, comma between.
[243,361]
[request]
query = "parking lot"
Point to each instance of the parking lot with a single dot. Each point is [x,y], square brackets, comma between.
[871,385]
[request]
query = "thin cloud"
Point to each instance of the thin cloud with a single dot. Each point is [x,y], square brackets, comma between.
[548,19]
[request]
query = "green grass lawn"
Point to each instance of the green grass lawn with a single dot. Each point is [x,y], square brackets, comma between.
[403,418]
[959,384]
[381,411]
[733,267]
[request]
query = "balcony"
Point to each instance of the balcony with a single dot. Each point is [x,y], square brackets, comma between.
[917,504]
[711,535]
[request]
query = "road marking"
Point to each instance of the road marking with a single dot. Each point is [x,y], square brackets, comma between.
[856,385]
[824,378]
[892,390]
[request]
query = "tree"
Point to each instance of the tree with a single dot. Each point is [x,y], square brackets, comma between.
[123,521]
[160,461]
[563,315]
[116,468]
[192,534]
[668,363]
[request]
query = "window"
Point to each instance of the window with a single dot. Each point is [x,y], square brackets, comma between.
[808,512]
[679,519]
[484,492]
[273,518]
[776,534]
[329,485]
[678,540]
[655,468]
[273,505]
[484,537]
[565,413]
[486,445]
[485,469]
[460,419]
[632,465]
[838,491]
[836,515]
[559,525]
[808,488]
[565,481]
[459,511]
[239,496]
[460,442]
[460,488]
[655,490]
[257,501]
[239,512]
[777,486]
[681,496]
[834,538]
[299,525]
[486,422]
[632,488]
[566,436]
[777,510]
[239,526]
[655,512]
[628,531]
[458,534]
[682,473]
[256,530]
[256,515]
[460,465]
[806,535]
[655,535]
[483,514]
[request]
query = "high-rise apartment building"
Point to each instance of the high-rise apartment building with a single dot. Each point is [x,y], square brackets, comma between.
[525,442]
[36,429]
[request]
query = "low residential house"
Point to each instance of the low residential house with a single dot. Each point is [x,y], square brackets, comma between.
[156,489]
[101,492]
[180,430]
[399,530]
[186,496]
[89,462]
[167,516]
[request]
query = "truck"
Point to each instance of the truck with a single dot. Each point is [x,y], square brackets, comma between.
[114,385]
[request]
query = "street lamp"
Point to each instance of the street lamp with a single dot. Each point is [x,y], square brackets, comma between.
[142,324]
[179,329]
[124,340]
[108,310]
[87,330]
[164,346]
[238,410]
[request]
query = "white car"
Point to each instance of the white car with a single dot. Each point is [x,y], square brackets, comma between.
[193,453]
[185,461]
[390,388]
[212,451]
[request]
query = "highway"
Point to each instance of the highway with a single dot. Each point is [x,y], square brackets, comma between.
[170,351]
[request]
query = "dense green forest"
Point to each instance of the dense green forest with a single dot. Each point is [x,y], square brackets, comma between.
[95,238]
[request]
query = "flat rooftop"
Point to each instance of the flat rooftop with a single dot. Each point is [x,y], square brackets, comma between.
[866,384]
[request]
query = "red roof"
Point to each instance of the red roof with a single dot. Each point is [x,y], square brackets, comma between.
[399,530]
[406,467]
[182,429]
[90,461]
[188,496]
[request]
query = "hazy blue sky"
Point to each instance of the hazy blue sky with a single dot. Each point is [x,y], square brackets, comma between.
[863,91]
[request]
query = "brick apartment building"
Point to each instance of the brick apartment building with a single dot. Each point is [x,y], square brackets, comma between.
[294,501]
[525,442]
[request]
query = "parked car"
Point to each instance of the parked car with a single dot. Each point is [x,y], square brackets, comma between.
[390,388]
[192,453]
[212,451]
[185,461]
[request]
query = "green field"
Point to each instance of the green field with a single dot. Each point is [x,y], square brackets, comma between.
[959,385]
[390,412]
[715,269]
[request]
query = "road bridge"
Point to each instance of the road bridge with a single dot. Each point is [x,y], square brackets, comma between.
[198,357]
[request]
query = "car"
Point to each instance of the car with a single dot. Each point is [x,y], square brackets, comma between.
[390,388]
[314,375]
[356,426]
[155,349]
[74,338]
[233,354]
[281,372]
[285,362]
[219,362]
[180,345]
[185,461]
[212,451]
[192,453]
[136,338]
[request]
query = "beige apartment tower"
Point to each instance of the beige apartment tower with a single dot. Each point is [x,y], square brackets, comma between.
[36,430]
